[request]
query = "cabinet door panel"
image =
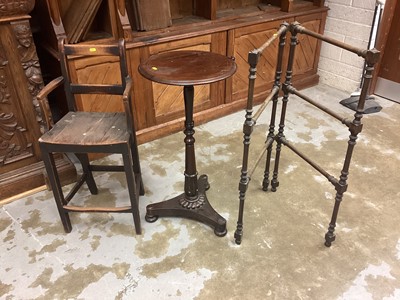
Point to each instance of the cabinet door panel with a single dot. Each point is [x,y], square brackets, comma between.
[308,50]
[21,121]
[305,58]
[20,81]
[180,44]
[16,140]
[168,99]
[246,40]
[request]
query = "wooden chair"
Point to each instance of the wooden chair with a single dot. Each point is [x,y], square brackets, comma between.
[81,133]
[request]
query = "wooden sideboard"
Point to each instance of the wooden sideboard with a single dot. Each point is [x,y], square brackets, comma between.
[21,123]
[231,28]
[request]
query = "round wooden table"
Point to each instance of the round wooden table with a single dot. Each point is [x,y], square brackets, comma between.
[188,68]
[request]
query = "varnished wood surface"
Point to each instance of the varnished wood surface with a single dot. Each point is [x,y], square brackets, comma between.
[32,176]
[83,128]
[82,133]
[192,29]
[232,34]
[187,67]
[152,14]
[21,120]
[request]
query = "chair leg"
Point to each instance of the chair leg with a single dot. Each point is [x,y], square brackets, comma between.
[55,184]
[84,159]
[141,187]
[136,165]
[133,196]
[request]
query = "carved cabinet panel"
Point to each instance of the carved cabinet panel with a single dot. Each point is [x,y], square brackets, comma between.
[21,122]
[167,99]
[20,81]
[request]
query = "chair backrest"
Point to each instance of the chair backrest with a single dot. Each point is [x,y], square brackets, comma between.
[68,52]
[72,51]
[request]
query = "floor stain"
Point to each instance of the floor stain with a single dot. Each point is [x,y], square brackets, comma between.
[282,255]
[46,249]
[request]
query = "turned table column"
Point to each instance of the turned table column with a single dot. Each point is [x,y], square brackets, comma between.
[188,68]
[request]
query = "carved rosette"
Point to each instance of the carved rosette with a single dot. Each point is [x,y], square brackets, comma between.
[193,204]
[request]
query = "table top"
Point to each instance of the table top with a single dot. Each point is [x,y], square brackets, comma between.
[187,67]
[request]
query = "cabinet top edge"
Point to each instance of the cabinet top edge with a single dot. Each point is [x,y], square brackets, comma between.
[213,26]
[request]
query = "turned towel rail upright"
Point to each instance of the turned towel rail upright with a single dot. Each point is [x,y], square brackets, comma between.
[371,57]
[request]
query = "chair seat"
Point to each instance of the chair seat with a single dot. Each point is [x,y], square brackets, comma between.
[88,129]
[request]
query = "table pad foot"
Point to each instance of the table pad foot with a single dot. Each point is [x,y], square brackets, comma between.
[196,208]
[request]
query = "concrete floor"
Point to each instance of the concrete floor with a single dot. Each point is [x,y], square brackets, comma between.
[282,255]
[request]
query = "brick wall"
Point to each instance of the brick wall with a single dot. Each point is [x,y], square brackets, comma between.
[348,21]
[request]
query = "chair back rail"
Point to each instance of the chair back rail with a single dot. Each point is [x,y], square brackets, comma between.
[68,52]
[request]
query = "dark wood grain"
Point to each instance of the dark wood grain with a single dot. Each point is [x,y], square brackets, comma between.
[190,31]
[88,128]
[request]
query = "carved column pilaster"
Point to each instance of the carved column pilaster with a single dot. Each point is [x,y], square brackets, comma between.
[21,122]
[30,64]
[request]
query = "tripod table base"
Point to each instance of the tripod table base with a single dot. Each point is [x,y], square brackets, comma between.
[197,208]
